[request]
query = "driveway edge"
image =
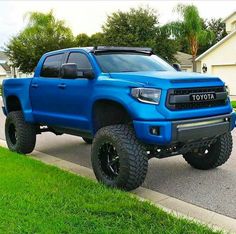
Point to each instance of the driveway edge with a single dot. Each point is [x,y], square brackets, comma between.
[169,204]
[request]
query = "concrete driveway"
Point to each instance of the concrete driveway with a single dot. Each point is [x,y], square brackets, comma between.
[214,189]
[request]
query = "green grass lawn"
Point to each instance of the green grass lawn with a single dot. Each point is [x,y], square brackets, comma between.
[37,198]
[234,104]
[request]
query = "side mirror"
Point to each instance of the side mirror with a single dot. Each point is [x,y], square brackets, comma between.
[176,66]
[69,71]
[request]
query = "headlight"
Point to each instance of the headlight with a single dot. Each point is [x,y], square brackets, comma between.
[147,95]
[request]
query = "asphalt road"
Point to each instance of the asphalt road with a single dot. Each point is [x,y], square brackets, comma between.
[214,189]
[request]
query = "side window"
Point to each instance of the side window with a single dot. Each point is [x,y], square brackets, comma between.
[81,60]
[51,66]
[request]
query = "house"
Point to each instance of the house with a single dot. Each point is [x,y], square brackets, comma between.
[6,70]
[220,59]
[185,60]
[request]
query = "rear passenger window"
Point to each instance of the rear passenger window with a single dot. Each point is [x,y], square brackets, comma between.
[81,60]
[51,66]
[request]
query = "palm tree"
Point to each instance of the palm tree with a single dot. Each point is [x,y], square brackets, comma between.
[190,29]
[42,33]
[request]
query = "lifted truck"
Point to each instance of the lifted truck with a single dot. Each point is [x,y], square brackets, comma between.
[130,104]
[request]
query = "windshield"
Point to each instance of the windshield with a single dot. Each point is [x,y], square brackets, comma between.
[131,62]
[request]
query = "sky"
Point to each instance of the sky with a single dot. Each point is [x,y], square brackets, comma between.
[89,16]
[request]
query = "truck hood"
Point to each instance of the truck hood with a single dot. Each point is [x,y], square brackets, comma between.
[167,78]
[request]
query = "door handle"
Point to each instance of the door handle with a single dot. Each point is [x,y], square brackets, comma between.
[62,86]
[34,85]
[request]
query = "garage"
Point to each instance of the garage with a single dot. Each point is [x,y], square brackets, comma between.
[220,59]
[228,74]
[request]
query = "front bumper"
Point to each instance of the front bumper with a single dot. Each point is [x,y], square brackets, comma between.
[170,132]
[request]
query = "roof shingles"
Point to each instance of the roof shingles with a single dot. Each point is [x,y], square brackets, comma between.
[184,59]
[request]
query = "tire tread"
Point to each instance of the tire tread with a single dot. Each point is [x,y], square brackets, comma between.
[26,133]
[219,155]
[137,159]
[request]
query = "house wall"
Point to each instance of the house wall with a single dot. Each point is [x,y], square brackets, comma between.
[186,68]
[221,62]
[225,54]
[5,75]
[230,23]
[2,72]
[199,66]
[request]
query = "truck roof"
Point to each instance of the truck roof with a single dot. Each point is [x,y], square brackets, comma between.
[86,49]
[99,49]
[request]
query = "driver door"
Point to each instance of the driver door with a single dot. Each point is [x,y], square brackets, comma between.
[74,95]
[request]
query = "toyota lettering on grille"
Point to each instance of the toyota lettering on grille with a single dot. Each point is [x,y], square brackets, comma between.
[198,97]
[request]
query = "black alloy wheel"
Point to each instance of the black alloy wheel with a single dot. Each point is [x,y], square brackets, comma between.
[109,160]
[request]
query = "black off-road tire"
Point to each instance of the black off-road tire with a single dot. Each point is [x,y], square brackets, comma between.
[132,157]
[88,140]
[218,153]
[20,136]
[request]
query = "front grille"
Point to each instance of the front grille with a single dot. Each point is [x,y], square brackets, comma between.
[199,90]
[183,102]
[183,106]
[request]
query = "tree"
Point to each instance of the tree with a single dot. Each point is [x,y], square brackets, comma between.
[97,39]
[175,30]
[82,40]
[190,28]
[43,33]
[164,46]
[139,27]
[217,27]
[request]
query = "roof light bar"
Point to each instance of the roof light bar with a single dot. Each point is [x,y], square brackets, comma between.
[114,48]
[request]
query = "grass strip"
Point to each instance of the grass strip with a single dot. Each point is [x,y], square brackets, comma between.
[233,104]
[38,198]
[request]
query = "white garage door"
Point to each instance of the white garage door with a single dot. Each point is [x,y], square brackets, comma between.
[228,74]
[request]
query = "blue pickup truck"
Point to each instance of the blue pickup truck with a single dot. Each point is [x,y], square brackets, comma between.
[128,103]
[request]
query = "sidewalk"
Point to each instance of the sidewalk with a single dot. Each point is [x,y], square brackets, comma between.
[233,98]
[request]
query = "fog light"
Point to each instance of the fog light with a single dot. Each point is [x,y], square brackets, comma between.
[155,131]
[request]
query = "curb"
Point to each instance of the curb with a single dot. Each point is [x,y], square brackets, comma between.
[169,204]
